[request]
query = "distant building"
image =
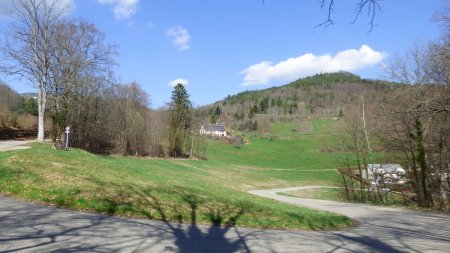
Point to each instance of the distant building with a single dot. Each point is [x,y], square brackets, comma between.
[213,130]
[387,173]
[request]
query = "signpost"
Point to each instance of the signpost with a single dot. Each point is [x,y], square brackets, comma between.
[67,138]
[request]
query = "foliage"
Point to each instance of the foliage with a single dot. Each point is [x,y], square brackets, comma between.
[15,110]
[214,114]
[326,80]
[325,95]
[180,119]
[31,107]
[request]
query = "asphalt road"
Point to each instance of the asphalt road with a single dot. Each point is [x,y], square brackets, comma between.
[28,227]
[381,229]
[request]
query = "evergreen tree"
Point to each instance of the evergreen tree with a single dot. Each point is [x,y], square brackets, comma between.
[31,107]
[264,104]
[217,111]
[180,120]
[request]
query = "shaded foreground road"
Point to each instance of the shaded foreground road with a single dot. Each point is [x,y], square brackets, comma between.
[33,228]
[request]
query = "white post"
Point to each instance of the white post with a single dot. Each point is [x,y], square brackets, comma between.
[67,137]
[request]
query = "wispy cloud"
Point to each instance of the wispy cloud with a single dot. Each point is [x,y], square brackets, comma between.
[308,64]
[181,37]
[183,81]
[122,8]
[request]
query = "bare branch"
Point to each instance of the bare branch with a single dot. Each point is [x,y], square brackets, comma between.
[330,7]
[372,7]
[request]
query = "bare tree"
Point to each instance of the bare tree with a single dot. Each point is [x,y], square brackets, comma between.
[418,119]
[130,117]
[80,57]
[355,145]
[26,50]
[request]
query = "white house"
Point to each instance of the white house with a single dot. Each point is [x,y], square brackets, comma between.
[213,129]
[387,173]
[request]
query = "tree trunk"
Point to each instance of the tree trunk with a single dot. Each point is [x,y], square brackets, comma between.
[368,150]
[42,100]
[421,160]
[345,186]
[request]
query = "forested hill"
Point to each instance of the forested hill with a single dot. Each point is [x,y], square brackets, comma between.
[320,95]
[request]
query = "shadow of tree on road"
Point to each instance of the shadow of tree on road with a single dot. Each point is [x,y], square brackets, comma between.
[195,238]
[30,227]
[194,224]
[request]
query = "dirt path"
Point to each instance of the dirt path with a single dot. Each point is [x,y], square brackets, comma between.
[13,145]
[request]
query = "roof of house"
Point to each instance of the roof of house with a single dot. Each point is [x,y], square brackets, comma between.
[388,168]
[214,127]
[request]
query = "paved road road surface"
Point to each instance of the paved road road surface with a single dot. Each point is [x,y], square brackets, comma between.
[27,227]
[381,229]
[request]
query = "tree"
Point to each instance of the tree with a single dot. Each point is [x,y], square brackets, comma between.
[27,48]
[264,104]
[129,118]
[81,63]
[180,119]
[31,107]
[418,116]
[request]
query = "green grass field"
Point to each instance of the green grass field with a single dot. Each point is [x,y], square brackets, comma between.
[202,191]
[291,159]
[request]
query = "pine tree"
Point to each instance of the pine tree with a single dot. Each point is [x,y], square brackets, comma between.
[180,119]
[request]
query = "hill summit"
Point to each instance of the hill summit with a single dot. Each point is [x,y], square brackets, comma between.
[324,95]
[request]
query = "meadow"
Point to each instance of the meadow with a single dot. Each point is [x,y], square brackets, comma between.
[211,191]
[281,158]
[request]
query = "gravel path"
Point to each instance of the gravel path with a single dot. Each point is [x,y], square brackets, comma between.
[28,227]
[13,145]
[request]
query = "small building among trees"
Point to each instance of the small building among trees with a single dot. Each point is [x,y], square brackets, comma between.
[384,173]
[213,130]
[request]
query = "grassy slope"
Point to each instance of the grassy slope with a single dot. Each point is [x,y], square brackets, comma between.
[209,192]
[292,159]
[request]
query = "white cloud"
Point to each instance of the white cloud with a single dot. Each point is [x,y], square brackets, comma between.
[150,25]
[308,64]
[122,8]
[183,81]
[181,37]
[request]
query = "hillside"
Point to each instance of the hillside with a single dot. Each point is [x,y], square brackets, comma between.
[17,111]
[320,96]
[185,191]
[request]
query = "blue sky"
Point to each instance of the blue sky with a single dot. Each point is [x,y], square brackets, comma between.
[224,47]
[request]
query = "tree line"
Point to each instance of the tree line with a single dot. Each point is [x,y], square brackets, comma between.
[16,111]
[410,123]
[70,63]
